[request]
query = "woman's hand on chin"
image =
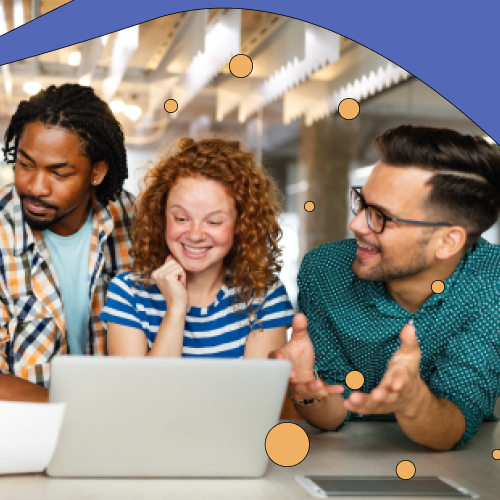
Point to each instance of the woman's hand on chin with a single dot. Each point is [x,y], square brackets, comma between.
[170,278]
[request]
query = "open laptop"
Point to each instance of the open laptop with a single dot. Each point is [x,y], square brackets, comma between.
[158,417]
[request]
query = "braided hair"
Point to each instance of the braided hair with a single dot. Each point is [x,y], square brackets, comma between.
[79,110]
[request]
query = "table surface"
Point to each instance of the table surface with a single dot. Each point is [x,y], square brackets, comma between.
[361,448]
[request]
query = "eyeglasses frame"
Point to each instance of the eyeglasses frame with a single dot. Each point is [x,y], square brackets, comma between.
[385,218]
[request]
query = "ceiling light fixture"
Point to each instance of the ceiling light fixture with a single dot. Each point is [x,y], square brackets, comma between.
[75,58]
[132,111]
[117,106]
[32,87]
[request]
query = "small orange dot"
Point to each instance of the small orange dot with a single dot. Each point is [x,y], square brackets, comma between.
[437,286]
[309,206]
[287,444]
[240,66]
[171,106]
[496,454]
[405,469]
[349,109]
[354,379]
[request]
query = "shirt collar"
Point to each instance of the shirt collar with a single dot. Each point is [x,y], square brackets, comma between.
[103,216]
[23,235]
[375,292]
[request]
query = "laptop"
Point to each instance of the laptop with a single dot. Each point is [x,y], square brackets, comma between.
[161,417]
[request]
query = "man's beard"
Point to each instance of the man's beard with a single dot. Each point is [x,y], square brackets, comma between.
[35,223]
[385,271]
[39,225]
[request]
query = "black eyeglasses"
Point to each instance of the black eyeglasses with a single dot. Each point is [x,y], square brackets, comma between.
[375,219]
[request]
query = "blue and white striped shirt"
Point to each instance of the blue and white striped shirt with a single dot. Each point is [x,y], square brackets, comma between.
[219,330]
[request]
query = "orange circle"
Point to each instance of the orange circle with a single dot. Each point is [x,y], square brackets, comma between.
[496,454]
[171,106]
[354,379]
[349,109]
[437,286]
[240,66]
[287,444]
[405,469]
[309,206]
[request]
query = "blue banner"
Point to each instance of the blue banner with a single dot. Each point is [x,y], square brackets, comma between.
[450,46]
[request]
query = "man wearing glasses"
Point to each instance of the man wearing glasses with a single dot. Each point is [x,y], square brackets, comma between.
[429,360]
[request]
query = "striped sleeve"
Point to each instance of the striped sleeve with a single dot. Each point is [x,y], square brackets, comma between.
[276,309]
[120,307]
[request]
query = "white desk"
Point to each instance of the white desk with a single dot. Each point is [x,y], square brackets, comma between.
[359,449]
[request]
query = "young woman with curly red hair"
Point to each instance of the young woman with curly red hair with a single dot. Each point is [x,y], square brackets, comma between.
[206,258]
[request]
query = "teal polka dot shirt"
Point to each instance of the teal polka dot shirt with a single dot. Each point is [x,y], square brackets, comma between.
[355,325]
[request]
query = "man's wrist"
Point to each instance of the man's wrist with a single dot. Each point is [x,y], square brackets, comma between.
[304,402]
[308,401]
[417,402]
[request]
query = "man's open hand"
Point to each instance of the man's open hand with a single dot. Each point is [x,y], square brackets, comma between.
[401,386]
[300,352]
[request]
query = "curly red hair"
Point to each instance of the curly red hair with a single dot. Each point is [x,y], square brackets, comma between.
[254,259]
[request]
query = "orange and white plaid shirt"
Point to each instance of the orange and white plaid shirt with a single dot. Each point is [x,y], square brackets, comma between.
[32,322]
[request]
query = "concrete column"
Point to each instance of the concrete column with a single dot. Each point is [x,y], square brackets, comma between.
[325,153]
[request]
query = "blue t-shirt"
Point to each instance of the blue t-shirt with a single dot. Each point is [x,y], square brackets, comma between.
[219,330]
[70,256]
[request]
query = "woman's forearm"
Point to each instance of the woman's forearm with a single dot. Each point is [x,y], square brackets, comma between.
[170,336]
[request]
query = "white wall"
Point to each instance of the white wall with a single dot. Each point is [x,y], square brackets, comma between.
[137,165]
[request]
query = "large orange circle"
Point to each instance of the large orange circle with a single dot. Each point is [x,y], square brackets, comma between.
[287,444]
[171,106]
[349,109]
[437,286]
[240,66]
[354,379]
[405,469]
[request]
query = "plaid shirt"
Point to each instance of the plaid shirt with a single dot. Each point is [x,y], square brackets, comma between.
[32,323]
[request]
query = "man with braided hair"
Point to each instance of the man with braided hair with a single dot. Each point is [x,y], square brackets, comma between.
[65,233]
[402,322]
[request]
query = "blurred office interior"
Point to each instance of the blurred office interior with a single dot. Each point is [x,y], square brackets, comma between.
[285,111]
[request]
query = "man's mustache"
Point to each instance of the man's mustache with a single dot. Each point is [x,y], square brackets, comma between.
[366,243]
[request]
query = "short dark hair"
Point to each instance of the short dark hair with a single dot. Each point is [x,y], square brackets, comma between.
[466,184]
[80,110]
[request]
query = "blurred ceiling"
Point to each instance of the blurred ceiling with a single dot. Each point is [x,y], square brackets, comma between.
[299,70]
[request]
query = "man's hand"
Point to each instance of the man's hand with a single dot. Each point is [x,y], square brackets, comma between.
[401,387]
[300,352]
